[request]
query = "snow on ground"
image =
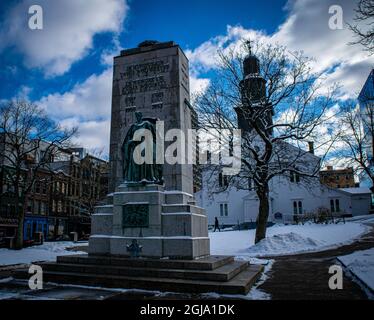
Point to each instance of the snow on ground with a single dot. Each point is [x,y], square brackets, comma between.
[361,264]
[45,252]
[285,239]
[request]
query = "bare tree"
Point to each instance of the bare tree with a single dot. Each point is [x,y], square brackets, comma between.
[364,24]
[30,141]
[278,115]
[357,135]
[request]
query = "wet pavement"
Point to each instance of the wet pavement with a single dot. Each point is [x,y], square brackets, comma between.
[306,276]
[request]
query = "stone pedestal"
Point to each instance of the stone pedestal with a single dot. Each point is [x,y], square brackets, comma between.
[164,223]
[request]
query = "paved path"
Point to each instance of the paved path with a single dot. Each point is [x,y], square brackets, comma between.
[306,276]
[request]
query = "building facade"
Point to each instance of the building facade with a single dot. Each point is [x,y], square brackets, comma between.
[338,178]
[366,107]
[61,198]
[289,199]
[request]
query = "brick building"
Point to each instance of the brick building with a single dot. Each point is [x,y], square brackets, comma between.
[338,178]
[61,199]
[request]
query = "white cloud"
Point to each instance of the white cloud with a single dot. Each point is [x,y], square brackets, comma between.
[205,56]
[109,53]
[68,31]
[88,100]
[306,29]
[87,105]
[93,135]
[198,85]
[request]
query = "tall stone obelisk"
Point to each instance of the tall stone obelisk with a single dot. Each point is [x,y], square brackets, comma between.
[153,79]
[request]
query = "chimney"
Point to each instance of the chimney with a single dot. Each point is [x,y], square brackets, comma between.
[311,147]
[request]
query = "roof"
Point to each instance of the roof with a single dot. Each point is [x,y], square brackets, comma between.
[360,190]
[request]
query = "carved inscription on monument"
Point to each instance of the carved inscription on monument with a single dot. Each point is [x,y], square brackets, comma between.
[144,77]
[135,215]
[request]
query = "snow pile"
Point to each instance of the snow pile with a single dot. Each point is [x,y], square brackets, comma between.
[45,252]
[283,240]
[285,243]
[361,264]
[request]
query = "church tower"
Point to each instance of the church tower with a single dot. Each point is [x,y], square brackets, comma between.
[253,96]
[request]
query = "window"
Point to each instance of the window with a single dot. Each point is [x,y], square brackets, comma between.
[298,207]
[29,206]
[43,210]
[36,207]
[223,209]
[294,177]
[44,188]
[335,205]
[37,187]
[223,180]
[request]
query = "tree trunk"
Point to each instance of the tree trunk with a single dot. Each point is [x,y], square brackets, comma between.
[19,236]
[263,214]
[21,219]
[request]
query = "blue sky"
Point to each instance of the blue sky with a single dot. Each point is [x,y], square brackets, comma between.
[66,67]
[188,23]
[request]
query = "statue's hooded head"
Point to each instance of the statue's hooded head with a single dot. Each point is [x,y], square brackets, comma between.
[138,116]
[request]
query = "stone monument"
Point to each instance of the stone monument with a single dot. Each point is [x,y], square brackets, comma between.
[150,234]
[150,203]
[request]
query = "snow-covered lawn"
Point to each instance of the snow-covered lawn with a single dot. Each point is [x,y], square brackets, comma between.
[45,252]
[283,240]
[361,264]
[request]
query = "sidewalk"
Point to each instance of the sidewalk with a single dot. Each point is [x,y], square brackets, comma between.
[305,276]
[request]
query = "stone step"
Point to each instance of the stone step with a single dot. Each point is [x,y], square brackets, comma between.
[175,208]
[104,208]
[223,273]
[208,263]
[239,284]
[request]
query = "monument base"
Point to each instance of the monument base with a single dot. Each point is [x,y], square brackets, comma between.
[221,274]
[162,224]
[149,238]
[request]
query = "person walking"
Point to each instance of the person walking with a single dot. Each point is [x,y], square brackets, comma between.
[216,225]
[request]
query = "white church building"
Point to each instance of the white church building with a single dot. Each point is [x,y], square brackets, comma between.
[287,200]
[290,195]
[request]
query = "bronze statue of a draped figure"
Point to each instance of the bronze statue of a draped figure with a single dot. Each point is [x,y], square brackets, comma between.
[146,173]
